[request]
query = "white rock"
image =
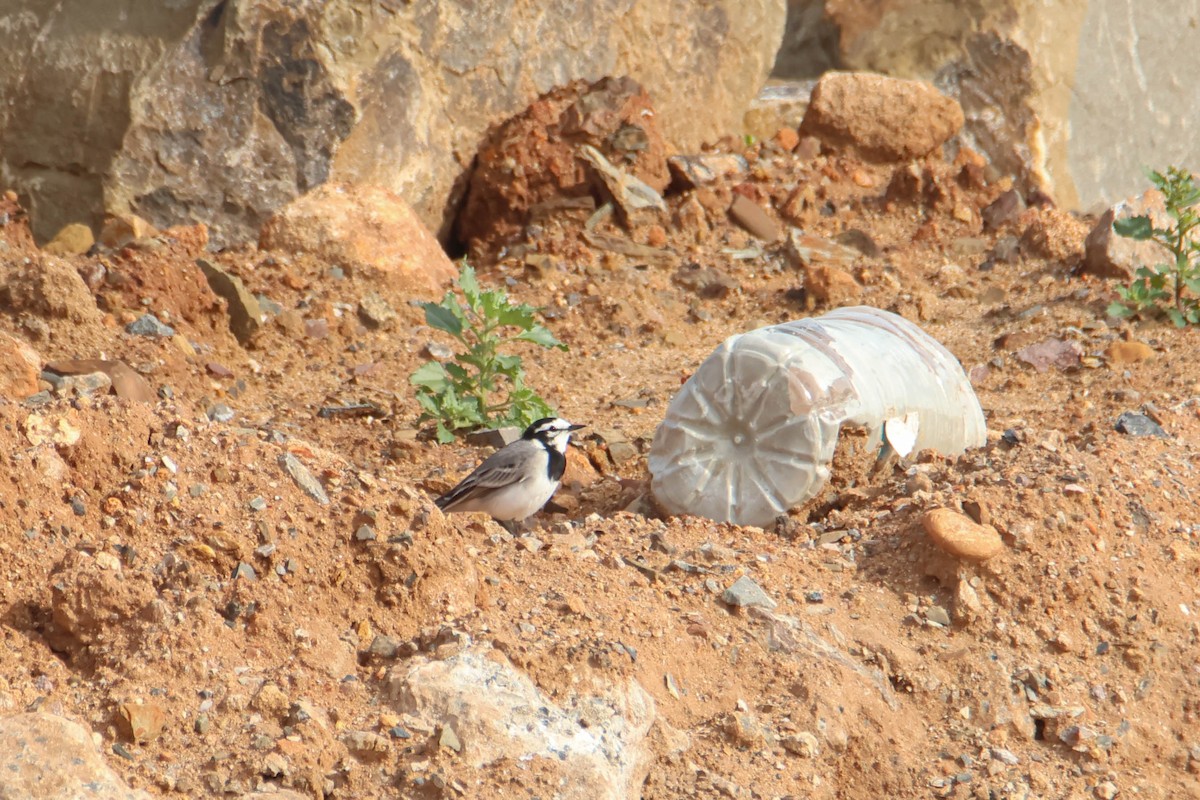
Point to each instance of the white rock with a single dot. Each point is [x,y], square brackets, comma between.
[598,742]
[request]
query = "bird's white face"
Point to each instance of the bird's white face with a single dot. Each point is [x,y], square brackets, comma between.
[553,432]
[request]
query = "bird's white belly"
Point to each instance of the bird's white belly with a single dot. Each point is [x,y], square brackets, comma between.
[515,501]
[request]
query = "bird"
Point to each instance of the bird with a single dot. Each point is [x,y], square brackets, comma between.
[518,479]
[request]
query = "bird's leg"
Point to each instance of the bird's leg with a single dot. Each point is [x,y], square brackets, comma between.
[509,525]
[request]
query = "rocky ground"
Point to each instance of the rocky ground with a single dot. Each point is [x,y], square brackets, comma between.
[233,591]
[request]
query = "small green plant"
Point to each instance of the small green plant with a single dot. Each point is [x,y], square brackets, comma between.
[1162,287]
[482,386]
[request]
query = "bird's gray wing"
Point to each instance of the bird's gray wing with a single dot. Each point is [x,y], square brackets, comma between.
[498,470]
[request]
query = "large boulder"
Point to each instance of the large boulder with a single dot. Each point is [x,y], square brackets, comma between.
[1075,99]
[223,111]
[44,757]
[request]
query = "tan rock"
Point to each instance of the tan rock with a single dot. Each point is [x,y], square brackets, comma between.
[19,368]
[1119,353]
[73,240]
[366,230]
[831,286]
[1054,235]
[48,286]
[142,722]
[961,537]
[881,118]
[1068,97]
[45,756]
[122,229]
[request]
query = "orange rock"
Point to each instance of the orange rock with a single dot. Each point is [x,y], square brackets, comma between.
[1128,352]
[363,229]
[830,286]
[142,722]
[19,368]
[787,138]
[960,536]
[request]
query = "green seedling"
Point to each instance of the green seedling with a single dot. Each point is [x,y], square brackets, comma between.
[1172,288]
[483,386]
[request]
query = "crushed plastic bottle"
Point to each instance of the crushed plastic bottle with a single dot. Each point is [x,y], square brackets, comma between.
[752,433]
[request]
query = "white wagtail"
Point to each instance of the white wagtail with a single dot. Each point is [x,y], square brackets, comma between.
[518,479]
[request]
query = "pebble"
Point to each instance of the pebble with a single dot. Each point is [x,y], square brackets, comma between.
[1128,352]
[219,412]
[142,722]
[374,311]
[745,592]
[959,536]
[1138,425]
[148,325]
[938,616]
[383,646]
[1106,790]
[303,478]
[450,739]
[365,533]
[258,504]
[244,570]
[803,744]
[496,438]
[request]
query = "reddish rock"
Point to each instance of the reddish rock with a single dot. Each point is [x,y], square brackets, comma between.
[366,230]
[19,368]
[1110,255]
[880,118]
[533,158]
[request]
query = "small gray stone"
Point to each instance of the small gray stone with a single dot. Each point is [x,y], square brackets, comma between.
[365,533]
[244,571]
[745,592]
[220,412]
[303,478]
[258,504]
[1005,756]
[202,724]
[148,325]
[1139,425]
[383,646]
[80,385]
[197,489]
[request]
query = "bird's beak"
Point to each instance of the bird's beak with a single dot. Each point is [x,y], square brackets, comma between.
[576,427]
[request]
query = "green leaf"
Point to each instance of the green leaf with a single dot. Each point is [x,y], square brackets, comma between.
[1176,317]
[445,317]
[1118,310]
[541,336]
[519,316]
[443,434]
[1134,228]
[469,285]
[430,375]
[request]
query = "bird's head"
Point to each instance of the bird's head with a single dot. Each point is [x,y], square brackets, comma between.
[552,432]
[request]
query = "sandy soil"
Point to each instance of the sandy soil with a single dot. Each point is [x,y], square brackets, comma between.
[1068,666]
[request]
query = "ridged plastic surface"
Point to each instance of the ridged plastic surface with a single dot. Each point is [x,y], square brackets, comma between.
[753,431]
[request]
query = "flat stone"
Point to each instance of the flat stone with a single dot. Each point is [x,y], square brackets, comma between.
[701,170]
[126,382]
[303,478]
[496,437]
[142,722]
[960,536]
[148,325]
[744,592]
[245,315]
[751,216]
[1139,425]
[374,311]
